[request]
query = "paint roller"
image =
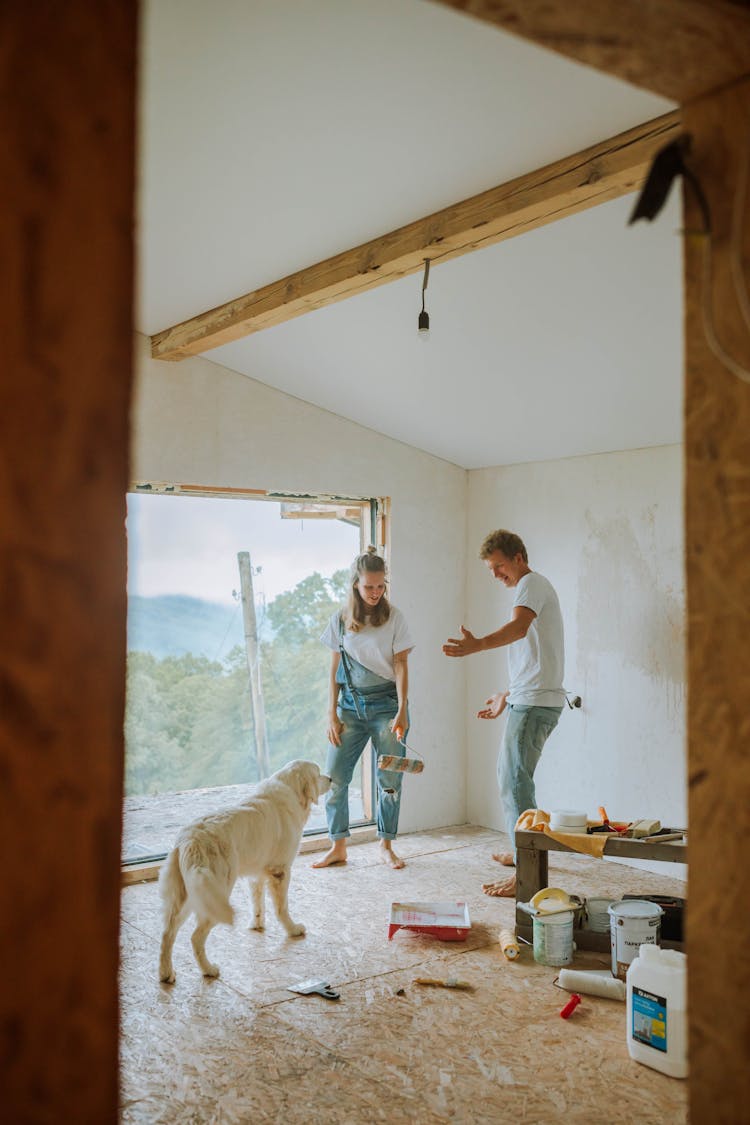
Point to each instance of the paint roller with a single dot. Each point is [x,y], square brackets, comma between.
[396,762]
[509,945]
[593,984]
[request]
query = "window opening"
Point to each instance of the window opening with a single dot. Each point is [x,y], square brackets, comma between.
[228,593]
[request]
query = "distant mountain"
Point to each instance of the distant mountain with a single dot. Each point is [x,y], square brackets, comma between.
[172,625]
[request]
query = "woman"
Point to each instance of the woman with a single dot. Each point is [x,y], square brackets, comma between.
[370,645]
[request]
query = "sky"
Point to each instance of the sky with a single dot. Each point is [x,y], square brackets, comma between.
[189,545]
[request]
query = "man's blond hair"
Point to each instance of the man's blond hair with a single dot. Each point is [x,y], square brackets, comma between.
[507,542]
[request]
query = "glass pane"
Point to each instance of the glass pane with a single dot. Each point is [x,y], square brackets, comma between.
[199,733]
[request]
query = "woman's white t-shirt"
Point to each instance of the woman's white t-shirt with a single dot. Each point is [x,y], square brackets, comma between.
[374,645]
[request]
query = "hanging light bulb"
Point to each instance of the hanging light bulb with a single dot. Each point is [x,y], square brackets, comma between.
[423,323]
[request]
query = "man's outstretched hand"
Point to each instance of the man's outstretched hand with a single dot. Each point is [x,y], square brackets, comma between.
[494,706]
[464,646]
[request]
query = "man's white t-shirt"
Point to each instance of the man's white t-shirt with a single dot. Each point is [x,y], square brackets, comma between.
[373,646]
[536,663]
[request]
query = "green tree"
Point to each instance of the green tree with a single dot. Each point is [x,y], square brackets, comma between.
[188,720]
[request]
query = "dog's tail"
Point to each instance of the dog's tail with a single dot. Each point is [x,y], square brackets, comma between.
[172,886]
[206,895]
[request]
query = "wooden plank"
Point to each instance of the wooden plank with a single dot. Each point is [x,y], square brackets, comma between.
[67,166]
[531,871]
[677,48]
[600,173]
[674,851]
[717,531]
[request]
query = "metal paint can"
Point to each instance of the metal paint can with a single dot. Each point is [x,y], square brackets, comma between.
[633,923]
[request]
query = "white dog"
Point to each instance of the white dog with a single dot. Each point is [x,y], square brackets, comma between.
[258,838]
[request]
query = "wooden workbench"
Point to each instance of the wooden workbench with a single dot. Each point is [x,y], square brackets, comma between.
[532,850]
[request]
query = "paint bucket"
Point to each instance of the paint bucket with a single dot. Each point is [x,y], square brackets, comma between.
[568,821]
[633,923]
[553,938]
[597,914]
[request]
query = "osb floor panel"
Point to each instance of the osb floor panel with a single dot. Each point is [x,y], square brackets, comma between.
[242,1048]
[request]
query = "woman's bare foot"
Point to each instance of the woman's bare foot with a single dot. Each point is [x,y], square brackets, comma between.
[388,856]
[335,854]
[505,888]
[506,858]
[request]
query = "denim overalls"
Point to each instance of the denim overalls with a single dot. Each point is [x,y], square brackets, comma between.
[367,706]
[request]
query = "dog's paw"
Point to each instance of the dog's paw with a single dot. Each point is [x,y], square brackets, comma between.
[211,970]
[167,976]
[260,926]
[296,930]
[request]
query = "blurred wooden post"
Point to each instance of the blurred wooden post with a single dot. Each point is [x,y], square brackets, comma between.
[717,527]
[253,663]
[67,121]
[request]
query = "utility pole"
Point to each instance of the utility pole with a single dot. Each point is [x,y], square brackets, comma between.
[253,664]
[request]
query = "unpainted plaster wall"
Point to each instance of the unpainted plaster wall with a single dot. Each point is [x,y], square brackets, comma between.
[608,532]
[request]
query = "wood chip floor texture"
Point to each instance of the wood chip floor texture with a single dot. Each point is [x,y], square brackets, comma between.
[243,1049]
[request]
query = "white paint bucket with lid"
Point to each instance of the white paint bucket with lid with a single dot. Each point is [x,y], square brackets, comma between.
[568,821]
[633,923]
[553,938]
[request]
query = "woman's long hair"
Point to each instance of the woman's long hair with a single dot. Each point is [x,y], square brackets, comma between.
[356,610]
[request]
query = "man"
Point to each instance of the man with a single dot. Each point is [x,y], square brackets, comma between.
[534,700]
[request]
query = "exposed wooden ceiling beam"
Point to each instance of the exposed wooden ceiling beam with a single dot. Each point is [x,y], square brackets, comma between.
[602,172]
[676,48]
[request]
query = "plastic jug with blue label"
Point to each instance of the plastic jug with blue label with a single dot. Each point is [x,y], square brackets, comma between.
[657,1010]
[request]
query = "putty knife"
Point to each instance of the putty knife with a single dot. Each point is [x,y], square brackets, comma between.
[322,987]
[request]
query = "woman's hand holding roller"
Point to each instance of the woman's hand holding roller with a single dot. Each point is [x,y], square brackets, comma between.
[399,725]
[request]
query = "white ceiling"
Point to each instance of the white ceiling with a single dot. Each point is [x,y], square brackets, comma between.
[275,133]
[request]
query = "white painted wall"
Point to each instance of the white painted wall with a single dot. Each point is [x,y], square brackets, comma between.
[199,423]
[607,530]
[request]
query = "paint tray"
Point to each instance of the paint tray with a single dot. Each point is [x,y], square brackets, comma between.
[447,921]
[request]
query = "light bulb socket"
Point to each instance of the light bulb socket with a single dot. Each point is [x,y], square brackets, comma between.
[423,324]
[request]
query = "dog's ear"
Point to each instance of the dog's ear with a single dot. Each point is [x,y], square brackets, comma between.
[309,786]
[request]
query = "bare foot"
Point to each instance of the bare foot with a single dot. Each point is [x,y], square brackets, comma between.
[388,855]
[505,888]
[506,858]
[335,854]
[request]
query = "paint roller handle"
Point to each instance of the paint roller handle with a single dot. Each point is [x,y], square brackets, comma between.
[570,1007]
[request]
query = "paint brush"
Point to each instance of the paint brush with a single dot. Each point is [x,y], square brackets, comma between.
[447,982]
[663,838]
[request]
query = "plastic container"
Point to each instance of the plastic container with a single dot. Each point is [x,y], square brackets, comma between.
[567,821]
[657,1010]
[633,923]
[553,938]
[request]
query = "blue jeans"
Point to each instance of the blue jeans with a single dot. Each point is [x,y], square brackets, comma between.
[526,732]
[378,711]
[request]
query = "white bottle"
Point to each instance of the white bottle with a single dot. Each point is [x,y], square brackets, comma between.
[657,1010]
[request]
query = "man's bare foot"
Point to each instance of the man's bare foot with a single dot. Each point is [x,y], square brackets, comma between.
[335,854]
[506,858]
[505,888]
[388,856]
